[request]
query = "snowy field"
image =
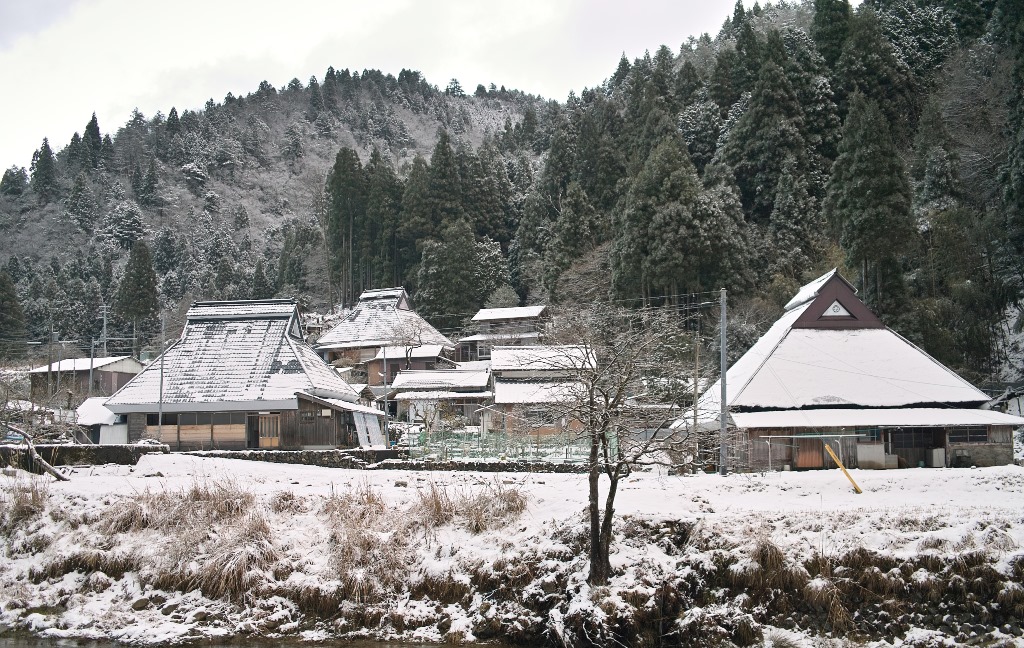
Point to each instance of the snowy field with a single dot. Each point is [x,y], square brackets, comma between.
[901,513]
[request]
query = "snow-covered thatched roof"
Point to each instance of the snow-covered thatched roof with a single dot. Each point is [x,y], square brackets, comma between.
[233,355]
[381,317]
[828,351]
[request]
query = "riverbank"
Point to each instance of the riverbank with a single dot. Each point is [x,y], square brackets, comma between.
[185,548]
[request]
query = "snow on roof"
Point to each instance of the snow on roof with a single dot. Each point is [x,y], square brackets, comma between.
[487,337]
[337,403]
[479,365]
[540,358]
[93,412]
[396,352]
[791,368]
[441,378]
[234,310]
[810,290]
[232,361]
[524,392]
[901,417]
[519,312]
[80,364]
[379,319]
[439,395]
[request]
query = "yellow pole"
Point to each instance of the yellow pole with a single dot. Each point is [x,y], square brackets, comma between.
[856,488]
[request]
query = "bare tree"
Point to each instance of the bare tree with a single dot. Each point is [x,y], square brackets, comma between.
[623,378]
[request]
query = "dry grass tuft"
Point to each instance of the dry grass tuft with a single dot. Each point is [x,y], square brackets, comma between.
[241,563]
[113,565]
[436,506]
[778,639]
[823,594]
[491,507]
[21,501]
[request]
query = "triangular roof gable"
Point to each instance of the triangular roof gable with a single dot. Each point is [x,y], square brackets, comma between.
[836,306]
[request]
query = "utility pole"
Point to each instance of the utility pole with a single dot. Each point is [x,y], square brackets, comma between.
[722,470]
[160,405]
[103,337]
[92,360]
[49,362]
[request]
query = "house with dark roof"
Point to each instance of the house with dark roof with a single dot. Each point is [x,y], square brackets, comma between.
[241,376]
[381,318]
[82,377]
[830,372]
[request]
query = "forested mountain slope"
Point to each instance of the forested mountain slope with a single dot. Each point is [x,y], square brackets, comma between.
[885,139]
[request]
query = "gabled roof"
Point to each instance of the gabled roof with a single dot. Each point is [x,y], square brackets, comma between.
[82,364]
[221,360]
[526,392]
[820,366]
[518,312]
[381,317]
[397,352]
[441,379]
[541,358]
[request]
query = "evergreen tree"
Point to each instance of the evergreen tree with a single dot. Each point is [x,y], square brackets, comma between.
[649,254]
[346,194]
[93,142]
[136,297]
[867,200]
[447,292]
[124,225]
[687,83]
[573,234]
[173,124]
[769,130]
[869,65]
[445,184]
[795,226]
[417,222]
[12,320]
[829,28]
[80,206]
[44,173]
[261,287]
[383,210]
[14,181]
[700,124]
[166,251]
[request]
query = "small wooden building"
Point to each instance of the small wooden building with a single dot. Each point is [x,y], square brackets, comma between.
[239,377]
[54,381]
[518,326]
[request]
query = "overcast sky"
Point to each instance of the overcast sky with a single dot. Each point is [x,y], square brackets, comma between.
[62,60]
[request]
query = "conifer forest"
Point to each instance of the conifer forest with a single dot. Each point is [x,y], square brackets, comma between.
[886,139]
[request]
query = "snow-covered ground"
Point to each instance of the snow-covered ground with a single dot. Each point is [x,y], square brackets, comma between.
[298,520]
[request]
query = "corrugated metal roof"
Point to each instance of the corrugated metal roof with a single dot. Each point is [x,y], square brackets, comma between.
[396,352]
[518,312]
[441,378]
[378,321]
[439,395]
[222,360]
[82,364]
[501,337]
[541,358]
[525,392]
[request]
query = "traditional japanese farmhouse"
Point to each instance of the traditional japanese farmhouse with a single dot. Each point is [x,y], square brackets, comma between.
[529,385]
[83,377]
[830,372]
[519,326]
[381,318]
[240,377]
[422,395]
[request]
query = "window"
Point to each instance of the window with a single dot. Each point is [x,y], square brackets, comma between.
[154,419]
[307,416]
[269,426]
[870,434]
[969,434]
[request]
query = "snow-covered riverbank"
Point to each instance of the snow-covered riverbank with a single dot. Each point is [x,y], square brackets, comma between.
[181,547]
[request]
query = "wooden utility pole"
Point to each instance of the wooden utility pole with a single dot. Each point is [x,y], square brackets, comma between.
[722,434]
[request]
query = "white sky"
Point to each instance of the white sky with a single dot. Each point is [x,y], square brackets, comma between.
[62,60]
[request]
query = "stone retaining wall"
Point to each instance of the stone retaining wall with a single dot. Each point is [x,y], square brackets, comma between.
[77,455]
[385,460]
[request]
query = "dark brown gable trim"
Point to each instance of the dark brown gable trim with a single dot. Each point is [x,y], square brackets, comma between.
[840,290]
